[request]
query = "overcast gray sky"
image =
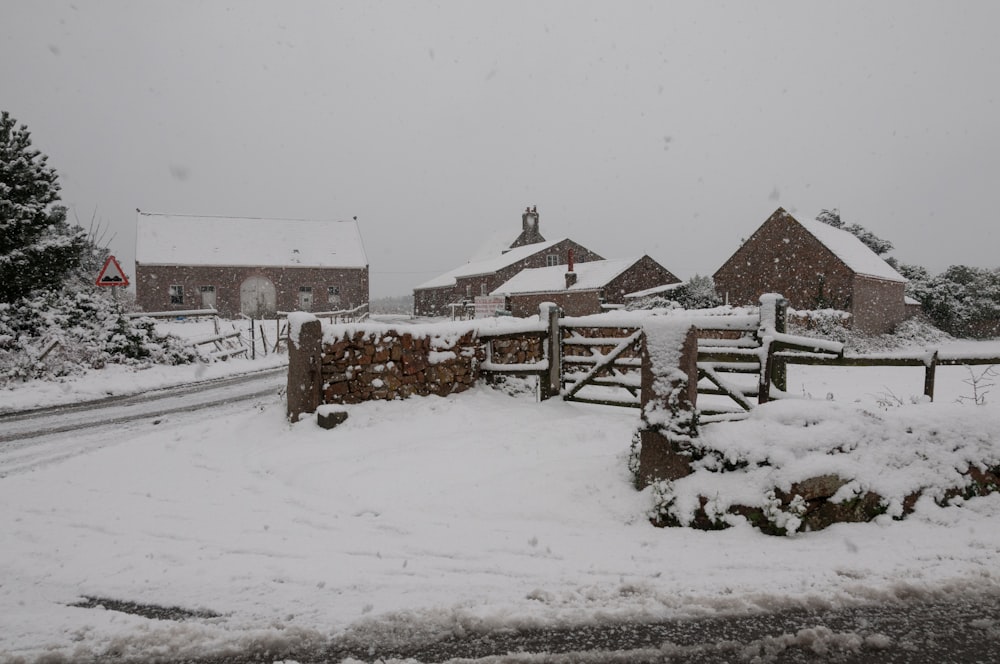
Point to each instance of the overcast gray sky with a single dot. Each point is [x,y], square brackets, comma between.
[667,128]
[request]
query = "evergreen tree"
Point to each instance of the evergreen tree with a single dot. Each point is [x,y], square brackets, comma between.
[830,218]
[38,248]
[697,293]
[872,241]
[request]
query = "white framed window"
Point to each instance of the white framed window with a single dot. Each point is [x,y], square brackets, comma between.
[305,298]
[468,291]
[333,295]
[552,259]
[207,296]
[176,294]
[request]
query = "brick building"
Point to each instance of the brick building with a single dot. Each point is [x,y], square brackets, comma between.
[248,266]
[815,266]
[584,288]
[491,268]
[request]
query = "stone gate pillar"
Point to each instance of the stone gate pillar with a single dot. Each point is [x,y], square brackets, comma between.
[305,351]
[669,401]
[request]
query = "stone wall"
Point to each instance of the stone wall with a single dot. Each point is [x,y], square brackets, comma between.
[524,348]
[363,365]
[347,364]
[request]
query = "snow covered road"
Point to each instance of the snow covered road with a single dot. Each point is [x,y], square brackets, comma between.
[44,435]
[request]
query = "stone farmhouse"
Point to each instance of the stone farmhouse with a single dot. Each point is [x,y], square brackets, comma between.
[249,266]
[491,268]
[582,289]
[815,266]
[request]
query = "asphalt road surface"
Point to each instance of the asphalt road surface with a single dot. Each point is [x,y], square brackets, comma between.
[958,630]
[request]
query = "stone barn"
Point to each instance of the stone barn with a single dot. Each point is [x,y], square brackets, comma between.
[249,266]
[493,266]
[815,266]
[582,289]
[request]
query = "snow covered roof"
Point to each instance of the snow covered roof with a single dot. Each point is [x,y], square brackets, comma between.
[488,265]
[848,248]
[589,276]
[495,245]
[173,239]
[655,290]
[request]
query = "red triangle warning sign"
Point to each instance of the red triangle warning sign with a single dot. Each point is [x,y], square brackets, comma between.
[111,274]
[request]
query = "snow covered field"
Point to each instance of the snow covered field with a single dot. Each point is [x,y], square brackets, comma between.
[425,517]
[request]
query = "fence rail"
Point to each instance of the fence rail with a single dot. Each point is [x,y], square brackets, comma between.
[929,360]
[227,344]
[186,313]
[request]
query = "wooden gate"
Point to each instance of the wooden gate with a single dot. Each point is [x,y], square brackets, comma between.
[600,364]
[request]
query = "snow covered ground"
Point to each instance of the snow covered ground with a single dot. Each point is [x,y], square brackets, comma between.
[426,517]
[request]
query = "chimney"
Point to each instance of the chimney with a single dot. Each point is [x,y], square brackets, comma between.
[570,274]
[529,221]
[529,228]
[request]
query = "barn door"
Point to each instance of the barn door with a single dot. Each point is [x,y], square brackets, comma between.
[258,298]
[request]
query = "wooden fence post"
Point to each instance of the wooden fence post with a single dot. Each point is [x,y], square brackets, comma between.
[929,370]
[779,369]
[773,318]
[549,384]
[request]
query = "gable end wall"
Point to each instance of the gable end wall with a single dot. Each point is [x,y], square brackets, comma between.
[782,257]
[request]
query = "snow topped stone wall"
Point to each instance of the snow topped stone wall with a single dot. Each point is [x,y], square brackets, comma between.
[353,363]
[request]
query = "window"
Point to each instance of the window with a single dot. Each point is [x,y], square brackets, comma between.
[552,259]
[482,288]
[305,298]
[207,297]
[176,294]
[333,295]
[468,291]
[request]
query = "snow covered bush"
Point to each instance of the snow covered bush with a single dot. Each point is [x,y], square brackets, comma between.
[698,292]
[53,322]
[914,332]
[58,333]
[798,465]
[962,300]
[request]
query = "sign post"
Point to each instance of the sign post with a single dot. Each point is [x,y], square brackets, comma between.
[112,275]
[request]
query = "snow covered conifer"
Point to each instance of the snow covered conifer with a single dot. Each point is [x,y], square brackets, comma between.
[38,248]
[830,217]
[874,242]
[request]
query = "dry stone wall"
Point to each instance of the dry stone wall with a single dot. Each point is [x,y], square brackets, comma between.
[364,365]
[348,364]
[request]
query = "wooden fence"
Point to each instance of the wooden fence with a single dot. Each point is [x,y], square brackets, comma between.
[742,358]
[928,360]
[226,344]
[356,315]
